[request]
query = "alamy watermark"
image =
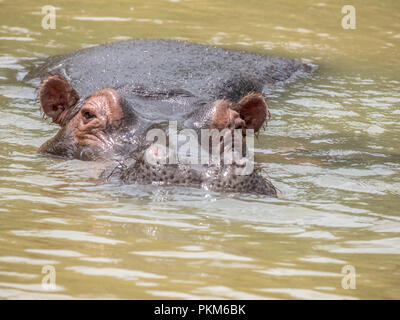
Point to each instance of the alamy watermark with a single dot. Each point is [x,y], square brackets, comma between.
[349,18]
[349,279]
[49,20]
[213,147]
[49,280]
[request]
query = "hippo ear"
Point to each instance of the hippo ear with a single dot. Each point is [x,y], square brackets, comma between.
[253,110]
[56,96]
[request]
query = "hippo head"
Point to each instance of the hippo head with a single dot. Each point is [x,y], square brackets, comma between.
[112,122]
[91,127]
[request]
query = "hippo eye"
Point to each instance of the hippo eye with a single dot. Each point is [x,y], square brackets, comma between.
[88,115]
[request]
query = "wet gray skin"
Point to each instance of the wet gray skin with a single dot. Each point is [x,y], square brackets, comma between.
[158,81]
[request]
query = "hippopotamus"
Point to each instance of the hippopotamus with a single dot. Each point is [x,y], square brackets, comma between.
[107,97]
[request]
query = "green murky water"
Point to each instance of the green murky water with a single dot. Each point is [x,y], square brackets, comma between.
[332,147]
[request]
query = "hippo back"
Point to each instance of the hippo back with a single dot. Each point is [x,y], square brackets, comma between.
[203,71]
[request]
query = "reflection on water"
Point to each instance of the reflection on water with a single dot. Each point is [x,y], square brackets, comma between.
[332,147]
